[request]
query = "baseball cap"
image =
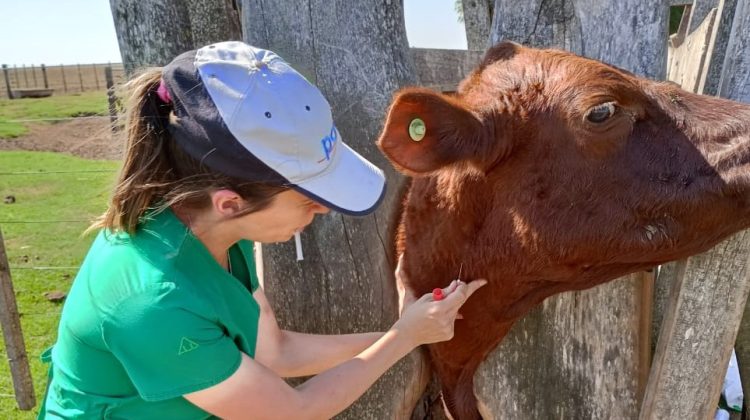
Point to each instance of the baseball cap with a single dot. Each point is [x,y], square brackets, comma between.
[243,111]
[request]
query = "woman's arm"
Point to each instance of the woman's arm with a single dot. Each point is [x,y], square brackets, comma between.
[292,354]
[310,354]
[255,389]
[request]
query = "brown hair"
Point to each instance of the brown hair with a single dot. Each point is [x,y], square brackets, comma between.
[157,173]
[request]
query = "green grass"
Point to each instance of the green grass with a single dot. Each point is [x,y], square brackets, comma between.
[45,197]
[87,103]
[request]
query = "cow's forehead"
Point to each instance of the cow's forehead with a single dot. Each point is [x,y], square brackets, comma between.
[550,74]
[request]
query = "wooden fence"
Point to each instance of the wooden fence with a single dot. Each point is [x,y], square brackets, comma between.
[695,305]
[62,78]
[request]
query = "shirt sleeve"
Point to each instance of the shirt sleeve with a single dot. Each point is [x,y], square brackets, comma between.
[168,343]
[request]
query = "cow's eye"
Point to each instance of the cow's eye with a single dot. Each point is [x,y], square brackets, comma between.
[601,113]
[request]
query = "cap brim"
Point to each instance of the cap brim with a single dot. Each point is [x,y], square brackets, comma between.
[350,185]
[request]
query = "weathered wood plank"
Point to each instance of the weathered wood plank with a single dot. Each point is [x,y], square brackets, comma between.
[699,12]
[477,21]
[735,84]
[631,26]
[698,332]
[665,280]
[356,52]
[23,386]
[629,34]
[576,357]
[709,84]
[143,37]
[537,23]
[735,81]
[443,69]
[687,59]
[152,33]
[647,285]
[213,21]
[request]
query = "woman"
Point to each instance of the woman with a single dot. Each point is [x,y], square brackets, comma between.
[226,145]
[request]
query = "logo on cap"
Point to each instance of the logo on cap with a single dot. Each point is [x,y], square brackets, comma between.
[329,144]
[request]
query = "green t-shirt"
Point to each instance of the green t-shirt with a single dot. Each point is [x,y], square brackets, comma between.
[150,317]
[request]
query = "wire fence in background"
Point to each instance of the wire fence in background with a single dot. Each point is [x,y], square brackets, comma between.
[10,316]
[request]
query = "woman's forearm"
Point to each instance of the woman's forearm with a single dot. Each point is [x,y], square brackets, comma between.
[330,392]
[309,354]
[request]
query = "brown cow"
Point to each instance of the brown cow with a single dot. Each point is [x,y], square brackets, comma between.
[548,172]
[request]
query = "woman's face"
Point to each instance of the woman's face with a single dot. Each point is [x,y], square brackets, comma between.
[288,213]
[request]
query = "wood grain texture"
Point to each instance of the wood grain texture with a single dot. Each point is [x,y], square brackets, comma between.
[735,81]
[698,333]
[442,70]
[687,57]
[718,47]
[152,33]
[735,84]
[23,387]
[356,52]
[575,357]
[477,22]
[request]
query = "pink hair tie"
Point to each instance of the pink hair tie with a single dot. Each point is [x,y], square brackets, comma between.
[163,92]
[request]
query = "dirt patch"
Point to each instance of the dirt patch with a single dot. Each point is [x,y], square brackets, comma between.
[89,138]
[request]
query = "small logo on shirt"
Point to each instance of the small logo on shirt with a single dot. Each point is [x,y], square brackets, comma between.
[186,345]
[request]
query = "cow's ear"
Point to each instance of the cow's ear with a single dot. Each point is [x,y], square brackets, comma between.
[425,131]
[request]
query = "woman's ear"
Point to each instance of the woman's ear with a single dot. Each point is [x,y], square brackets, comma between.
[226,202]
[425,131]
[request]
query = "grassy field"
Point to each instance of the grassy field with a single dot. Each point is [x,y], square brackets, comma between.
[68,200]
[87,103]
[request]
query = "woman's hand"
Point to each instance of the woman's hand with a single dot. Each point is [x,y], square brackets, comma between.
[430,321]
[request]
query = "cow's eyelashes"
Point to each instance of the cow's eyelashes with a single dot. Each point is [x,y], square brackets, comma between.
[601,113]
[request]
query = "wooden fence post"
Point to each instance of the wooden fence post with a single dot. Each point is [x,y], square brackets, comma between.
[15,348]
[700,324]
[478,23]
[44,75]
[735,85]
[80,77]
[65,83]
[96,76]
[25,76]
[709,84]
[7,82]
[111,97]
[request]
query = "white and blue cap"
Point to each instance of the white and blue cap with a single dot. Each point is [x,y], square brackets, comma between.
[244,112]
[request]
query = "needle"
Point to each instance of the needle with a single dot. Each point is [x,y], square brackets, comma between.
[437,293]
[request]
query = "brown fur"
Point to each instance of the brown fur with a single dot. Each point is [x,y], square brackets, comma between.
[514,182]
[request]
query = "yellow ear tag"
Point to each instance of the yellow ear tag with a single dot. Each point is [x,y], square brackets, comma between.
[417,129]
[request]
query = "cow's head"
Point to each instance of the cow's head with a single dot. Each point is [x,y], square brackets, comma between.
[549,172]
[555,169]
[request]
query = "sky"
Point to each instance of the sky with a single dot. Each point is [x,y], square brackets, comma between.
[55,32]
